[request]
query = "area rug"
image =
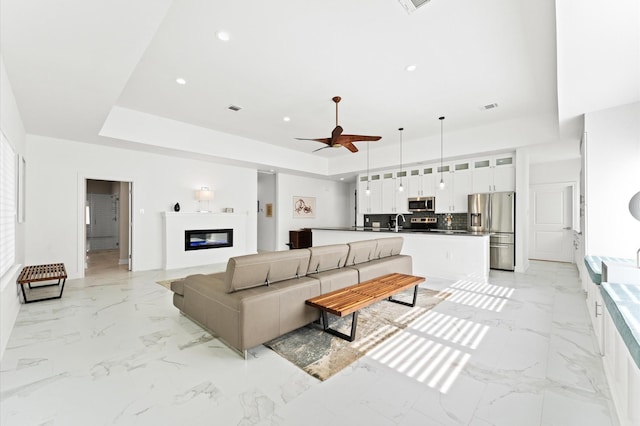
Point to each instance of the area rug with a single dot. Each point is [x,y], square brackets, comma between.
[167,283]
[322,355]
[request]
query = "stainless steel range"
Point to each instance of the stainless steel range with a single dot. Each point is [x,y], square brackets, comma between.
[424,223]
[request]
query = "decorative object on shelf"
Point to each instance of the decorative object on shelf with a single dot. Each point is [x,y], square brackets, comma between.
[176,207]
[400,187]
[204,194]
[441,150]
[337,139]
[304,207]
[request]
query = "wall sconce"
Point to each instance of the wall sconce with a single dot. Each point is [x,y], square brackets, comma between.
[204,194]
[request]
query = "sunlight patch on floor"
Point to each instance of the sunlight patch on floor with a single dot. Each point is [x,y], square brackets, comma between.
[479,295]
[433,349]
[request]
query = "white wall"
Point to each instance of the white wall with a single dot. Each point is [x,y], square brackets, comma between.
[266,225]
[12,127]
[56,176]
[612,178]
[332,205]
[555,172]
[522,210]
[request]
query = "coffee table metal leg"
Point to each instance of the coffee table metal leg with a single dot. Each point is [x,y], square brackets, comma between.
[400,302]
[354,325]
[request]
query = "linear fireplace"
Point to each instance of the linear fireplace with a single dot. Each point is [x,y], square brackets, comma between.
[200,239]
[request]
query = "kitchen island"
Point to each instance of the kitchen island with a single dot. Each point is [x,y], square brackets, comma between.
[457,254]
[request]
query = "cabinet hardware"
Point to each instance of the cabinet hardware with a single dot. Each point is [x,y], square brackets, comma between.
[597,314]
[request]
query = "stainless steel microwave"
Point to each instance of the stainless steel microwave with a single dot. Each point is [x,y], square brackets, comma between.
[422,204]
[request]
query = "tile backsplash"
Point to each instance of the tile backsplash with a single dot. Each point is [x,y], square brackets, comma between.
[458,220]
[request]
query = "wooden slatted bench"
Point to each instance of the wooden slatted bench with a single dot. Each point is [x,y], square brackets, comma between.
[40,273]
[350,300]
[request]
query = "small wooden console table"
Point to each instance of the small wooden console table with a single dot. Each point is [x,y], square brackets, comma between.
[350,300]
[39,273]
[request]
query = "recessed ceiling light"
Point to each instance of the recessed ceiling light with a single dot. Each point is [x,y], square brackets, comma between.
[223,35]
[287,119]
[341,178]
[411,68]
[181,81]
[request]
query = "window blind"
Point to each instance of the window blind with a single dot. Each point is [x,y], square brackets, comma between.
[7,205]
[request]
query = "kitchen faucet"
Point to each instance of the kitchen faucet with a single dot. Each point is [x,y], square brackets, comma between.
[403,220]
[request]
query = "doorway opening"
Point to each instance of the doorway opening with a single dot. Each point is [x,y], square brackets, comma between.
[267,222]
[107,227]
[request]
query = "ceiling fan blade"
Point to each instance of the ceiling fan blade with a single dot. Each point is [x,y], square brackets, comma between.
[351,147]
[359,138]
[323,140]
[319,149]
[335,135]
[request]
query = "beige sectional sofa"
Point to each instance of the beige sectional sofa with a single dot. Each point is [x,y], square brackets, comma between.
[262,296]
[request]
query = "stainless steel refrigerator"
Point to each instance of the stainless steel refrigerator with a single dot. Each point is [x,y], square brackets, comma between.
[495,213]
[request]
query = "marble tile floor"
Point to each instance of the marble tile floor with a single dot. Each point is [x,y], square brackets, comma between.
[114,351]
[101,262]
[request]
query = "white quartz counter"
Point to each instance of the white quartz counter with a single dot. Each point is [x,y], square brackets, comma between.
[456,256]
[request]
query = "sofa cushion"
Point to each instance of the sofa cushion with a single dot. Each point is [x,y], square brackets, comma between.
[287,264]
[401,264]
[325,258]
[254,270]
[361,251]
[177,287]
[336,279]
[388,247]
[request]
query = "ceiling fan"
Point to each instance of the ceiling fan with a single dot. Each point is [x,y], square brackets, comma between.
[337,139]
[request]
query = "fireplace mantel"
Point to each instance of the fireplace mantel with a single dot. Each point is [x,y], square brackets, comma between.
[175,225]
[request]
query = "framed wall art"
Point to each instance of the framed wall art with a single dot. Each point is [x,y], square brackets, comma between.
[304,207]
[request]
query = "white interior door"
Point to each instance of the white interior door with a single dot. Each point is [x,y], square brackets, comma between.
[551,222]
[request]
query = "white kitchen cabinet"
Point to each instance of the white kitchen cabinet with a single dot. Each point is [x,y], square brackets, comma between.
[494,174]
[457,180]
[422,182]
[393,201]
[389,191]
[444,195]
[372,203]
[461,187]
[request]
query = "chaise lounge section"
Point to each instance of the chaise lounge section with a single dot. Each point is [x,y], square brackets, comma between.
[262,296]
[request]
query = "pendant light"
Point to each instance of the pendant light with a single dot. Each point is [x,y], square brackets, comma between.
[441,146]
[367,192]
[400,188]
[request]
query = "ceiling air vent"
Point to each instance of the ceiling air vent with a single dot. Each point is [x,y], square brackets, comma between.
[412,5]
[490,106]
[234,107]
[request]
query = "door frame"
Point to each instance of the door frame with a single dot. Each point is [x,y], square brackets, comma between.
[81,226]
[575,224]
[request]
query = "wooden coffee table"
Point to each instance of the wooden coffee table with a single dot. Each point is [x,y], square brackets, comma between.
[40,273]
[350,300]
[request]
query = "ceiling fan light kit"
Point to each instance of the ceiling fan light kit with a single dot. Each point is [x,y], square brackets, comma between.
[337,139]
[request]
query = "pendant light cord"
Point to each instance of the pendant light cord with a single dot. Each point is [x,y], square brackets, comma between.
[441,150]
[401,129]
[367,165]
